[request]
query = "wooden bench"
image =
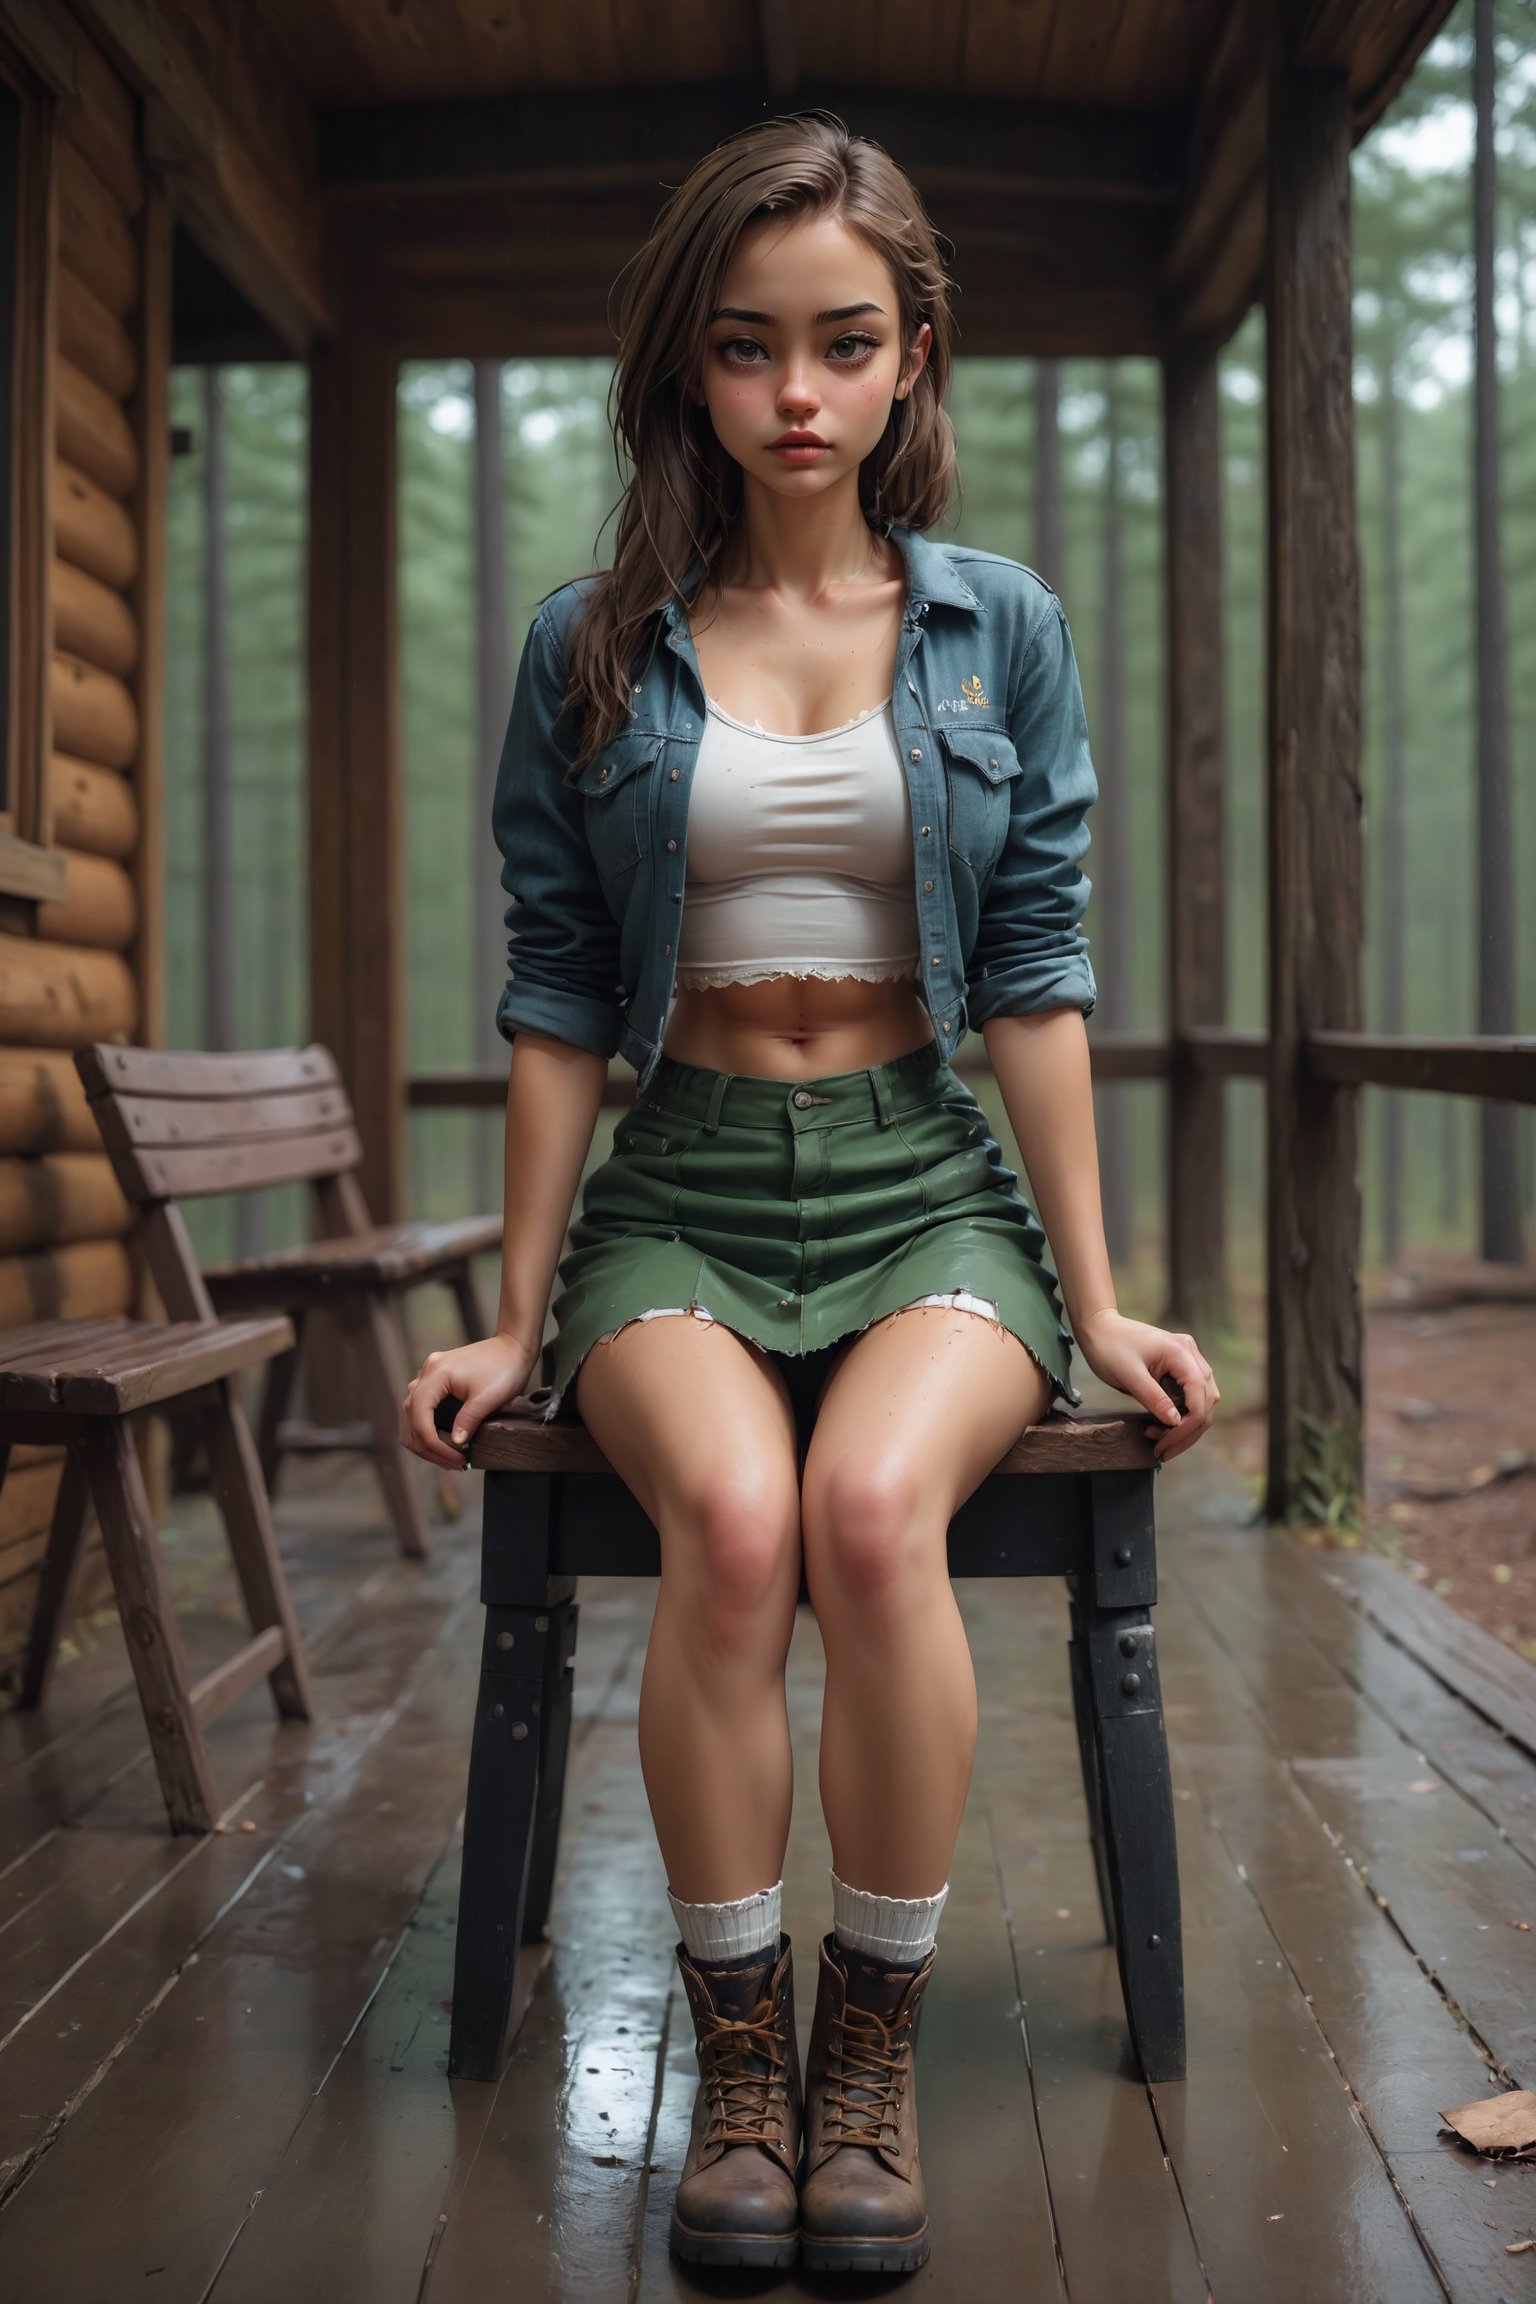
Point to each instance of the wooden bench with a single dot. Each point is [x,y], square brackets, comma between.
[79,1383]
[180,1127]
[1073,1498]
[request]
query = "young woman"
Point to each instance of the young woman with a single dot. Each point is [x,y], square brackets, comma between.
[790,796]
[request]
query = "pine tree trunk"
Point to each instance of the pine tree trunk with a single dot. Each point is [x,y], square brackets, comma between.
[1392,943]
[1050,535]
[494,694]
[1500,1171]
[1112,892]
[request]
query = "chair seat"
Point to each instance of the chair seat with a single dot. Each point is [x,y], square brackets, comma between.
[383,1256]
[116,1367]
[1089,1440]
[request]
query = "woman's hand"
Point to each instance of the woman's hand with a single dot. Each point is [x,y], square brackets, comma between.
[1133,1357]
[484,1377]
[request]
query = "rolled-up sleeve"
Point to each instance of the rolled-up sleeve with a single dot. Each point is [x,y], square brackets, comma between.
[1030,951]
[562,940]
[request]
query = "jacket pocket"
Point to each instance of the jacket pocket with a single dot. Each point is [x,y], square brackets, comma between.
[980,770]
[615,789]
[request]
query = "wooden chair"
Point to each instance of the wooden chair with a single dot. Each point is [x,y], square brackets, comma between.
[1073,1498]
[183,1126]
[80,1383]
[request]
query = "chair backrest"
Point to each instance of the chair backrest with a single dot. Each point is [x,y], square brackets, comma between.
[181,1126]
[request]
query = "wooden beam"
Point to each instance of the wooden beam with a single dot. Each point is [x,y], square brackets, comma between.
[1376,42]
[1315,851]
[606,136]
[228,129]
[1195,1167]
[152,431]
[1501,1070]
[357,891]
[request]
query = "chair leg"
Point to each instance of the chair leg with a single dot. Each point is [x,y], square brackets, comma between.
[56,1578]
[498,1830]
[242,1499]
[554,1746]
[1140,1844]
[465,1284]
[380,1347]
[132,1545]
[1088,1756]
[276,1392]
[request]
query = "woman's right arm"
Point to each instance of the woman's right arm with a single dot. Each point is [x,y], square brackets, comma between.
[554,1094]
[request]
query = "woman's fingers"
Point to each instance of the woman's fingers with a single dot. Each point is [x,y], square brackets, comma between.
[1181,1358]
[418,1417]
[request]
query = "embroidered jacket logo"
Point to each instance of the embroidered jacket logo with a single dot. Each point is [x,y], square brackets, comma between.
[972,697]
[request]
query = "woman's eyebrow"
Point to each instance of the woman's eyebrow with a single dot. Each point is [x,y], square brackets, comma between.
[768,320]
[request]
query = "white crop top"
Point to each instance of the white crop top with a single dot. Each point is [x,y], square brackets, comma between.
[799,855]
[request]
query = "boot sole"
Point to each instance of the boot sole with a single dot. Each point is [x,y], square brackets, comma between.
[903,2254]
[757,2251]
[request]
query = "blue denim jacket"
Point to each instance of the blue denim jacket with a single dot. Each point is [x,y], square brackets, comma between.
[989,719]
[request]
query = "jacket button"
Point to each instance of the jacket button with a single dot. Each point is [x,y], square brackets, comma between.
[916,752]
[927,831]
[671,847]
[992,764]
[936,961]
[666,951]
[675,774]
[602,775]
[928,887]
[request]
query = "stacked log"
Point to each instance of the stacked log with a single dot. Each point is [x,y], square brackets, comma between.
[64,1224]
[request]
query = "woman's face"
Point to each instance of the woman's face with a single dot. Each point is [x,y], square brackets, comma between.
[804,356]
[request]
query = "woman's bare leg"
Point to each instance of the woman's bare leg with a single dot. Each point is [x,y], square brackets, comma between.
[699,1425]
[917,1413]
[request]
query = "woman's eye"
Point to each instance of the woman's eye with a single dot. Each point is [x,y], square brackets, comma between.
[848,350]
[741,351]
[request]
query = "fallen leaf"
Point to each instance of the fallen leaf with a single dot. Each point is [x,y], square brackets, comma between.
[1524,1926]
[1496,2124]
[1519,2247]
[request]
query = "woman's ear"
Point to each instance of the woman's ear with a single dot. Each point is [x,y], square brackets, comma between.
[917,360]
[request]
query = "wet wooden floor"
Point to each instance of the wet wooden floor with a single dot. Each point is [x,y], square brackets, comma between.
[222,2062]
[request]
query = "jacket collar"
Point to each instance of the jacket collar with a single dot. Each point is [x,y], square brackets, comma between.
[932,580]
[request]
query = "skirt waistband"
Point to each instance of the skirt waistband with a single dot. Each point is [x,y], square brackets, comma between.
[880,1092]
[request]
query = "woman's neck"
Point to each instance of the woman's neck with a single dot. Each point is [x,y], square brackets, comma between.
[803,548]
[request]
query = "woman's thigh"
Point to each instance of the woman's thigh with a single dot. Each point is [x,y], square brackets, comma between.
[698,1424]
[916,1414]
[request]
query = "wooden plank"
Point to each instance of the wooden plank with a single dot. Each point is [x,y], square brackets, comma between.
[91,528]
[93,336]
[1196,805]
[92,620]
[330,1875]
[94,714]
[97,907]
[92,809]
[1313,806]
[184,1120]
[178,1073]
[357,978]
[42,1104]
[1480,1065]
[415,2167]
[92,431]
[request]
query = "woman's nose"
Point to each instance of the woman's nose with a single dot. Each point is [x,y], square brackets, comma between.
[797,392]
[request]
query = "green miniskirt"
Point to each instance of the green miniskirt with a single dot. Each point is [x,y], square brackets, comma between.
[798,1212]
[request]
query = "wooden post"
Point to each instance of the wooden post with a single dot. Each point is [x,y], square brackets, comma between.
[1314,804]
[356,886]
[1197,863]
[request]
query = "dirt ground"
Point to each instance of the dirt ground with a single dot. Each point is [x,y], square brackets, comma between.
[1450,1392]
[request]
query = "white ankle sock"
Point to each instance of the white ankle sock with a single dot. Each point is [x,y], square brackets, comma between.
[730,1931]
[898,1928]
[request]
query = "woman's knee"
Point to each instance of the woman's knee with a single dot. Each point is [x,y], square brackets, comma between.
[731,1555]
[871,1541]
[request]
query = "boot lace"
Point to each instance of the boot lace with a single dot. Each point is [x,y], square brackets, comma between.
[745,2102]
[865,2079]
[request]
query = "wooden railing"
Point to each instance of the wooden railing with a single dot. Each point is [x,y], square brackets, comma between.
[1502,1070]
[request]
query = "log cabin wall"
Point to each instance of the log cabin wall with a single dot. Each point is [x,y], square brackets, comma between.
[83,968]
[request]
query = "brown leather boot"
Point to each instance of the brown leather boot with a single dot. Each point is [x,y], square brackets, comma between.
[862,2203]
[736,2196]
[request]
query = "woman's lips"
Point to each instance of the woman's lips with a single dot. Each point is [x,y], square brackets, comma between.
[800,451]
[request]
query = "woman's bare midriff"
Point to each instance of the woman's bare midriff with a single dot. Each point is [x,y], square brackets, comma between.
[798,1028]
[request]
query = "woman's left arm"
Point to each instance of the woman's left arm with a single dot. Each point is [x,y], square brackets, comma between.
[1041,1064]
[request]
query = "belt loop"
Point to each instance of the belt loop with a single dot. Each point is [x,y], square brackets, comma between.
[880,1089]
[716,1099]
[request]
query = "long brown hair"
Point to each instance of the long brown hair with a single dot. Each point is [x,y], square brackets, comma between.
[685,491]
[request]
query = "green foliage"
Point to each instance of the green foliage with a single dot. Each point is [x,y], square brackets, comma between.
[1412,259]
